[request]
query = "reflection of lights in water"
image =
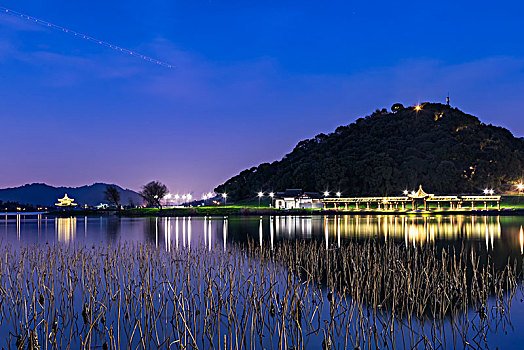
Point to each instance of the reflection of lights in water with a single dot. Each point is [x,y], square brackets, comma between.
[65,229]
[205,231]
[271,232]
[259,232]
[176,232]
[18,224]
[167,234]
[209,234]
[156,232]
[338,231]
[415,230]
[224,230]
[189,232]
[521,236]
[326,232]
[184,232]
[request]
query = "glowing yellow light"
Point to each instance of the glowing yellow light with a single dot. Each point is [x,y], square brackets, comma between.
[65,202]
[520,186]
[418,107]
[521,239]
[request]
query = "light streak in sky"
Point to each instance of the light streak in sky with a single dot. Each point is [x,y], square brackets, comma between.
[84,36]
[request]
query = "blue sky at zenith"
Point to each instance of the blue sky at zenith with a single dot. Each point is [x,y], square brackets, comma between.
[252,78]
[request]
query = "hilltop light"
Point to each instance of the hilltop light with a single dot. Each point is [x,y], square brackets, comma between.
[418,107]
[326,193]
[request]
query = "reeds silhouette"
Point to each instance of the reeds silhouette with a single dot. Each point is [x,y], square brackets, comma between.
[296,296]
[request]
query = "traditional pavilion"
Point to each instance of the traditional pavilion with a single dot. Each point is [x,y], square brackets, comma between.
[414,198]
[66,202]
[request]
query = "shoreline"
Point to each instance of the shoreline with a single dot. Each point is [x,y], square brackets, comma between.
[214,211]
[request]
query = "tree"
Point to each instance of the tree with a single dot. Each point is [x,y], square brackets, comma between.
[397,107]
[112,195]
[153,192]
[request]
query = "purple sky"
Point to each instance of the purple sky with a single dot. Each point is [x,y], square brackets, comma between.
[250,82]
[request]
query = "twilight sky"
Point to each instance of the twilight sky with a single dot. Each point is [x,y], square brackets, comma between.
[252,78]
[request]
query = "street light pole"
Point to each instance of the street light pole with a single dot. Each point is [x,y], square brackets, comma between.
[260,195]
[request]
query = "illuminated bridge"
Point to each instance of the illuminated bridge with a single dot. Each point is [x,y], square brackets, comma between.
[413,201]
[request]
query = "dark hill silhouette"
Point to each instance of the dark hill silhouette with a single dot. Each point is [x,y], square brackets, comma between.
[440,147]
[42,194]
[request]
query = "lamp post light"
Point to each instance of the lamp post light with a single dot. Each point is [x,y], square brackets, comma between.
[224,195]
[405,192]
[326,193]
[491,192]
[260,195]
[486,191]
[167,197]
[338,194]
[520,187]
[271,195]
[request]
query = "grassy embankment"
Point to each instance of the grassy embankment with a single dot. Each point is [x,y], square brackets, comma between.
[510,204]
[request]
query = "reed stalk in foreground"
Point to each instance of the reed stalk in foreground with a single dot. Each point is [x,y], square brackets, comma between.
[296,296]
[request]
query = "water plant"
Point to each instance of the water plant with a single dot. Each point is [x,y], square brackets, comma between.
[297,295]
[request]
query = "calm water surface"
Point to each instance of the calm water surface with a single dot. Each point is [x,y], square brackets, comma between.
[499,237]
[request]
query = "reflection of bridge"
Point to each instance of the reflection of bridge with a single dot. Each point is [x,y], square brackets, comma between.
[415,229]
[411,201]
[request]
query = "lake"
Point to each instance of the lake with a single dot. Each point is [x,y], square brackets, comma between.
[213,241]
[500,234]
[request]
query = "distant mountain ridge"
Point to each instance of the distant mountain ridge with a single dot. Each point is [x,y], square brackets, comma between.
[46,195]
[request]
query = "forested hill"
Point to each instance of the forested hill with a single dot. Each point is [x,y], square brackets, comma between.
[442,148]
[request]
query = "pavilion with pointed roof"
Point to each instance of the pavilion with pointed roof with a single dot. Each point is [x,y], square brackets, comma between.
[65,202]
[420,195]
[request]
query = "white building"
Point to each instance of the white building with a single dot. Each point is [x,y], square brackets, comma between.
[296,198]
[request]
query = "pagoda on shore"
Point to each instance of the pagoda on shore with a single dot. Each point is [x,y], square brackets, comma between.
[65,202]
[420,195]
